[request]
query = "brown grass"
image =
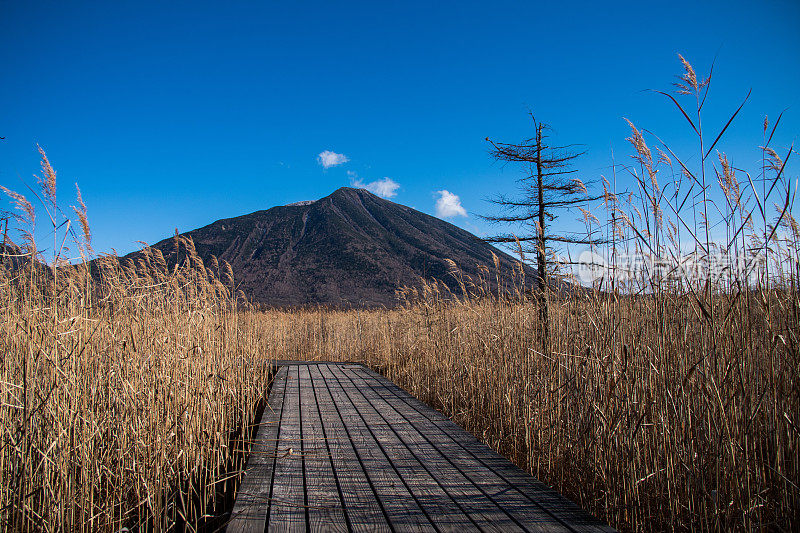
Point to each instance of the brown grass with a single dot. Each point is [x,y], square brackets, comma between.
[620,417]
[665,400]
[121,395]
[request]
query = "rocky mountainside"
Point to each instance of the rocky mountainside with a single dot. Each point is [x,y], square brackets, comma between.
[350,248]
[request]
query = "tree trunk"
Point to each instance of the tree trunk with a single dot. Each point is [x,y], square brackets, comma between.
[541,258]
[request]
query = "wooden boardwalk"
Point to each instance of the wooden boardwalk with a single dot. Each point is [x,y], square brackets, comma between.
[341,448]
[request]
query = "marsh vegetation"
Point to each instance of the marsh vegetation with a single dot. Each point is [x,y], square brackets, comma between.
[663,397]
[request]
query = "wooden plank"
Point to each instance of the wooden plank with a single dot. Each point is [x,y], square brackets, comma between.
[536,491]
[424,488]
[501,467]
[524,512]
[361,505]
[252,500]
[481,510]
[427,491]
[399,503]
[287,503]
[341,448]
[323,492]
[463,445]
[556,504]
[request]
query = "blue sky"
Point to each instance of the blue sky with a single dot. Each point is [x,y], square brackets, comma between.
[174,114]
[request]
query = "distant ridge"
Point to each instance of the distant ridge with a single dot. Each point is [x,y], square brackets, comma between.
[350,249]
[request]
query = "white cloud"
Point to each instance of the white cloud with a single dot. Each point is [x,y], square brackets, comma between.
[449,205]
[330,159]
[385,188]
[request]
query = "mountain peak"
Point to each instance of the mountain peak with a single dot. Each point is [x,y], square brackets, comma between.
[353,191]
[350,248]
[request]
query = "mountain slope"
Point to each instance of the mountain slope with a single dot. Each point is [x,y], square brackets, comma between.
[350,248]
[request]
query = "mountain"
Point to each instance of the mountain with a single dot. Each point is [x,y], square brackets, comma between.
[350,248]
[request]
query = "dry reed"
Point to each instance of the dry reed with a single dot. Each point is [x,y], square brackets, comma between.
[668,399]
[665,400]
[124,386]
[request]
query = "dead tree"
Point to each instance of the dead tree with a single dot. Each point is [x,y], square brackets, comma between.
[547,189]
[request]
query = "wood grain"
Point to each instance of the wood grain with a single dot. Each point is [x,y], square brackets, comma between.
[341,448]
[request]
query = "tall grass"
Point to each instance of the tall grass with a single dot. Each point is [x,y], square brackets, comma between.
[122,392]
[667,398]
[669,395]
[619,416]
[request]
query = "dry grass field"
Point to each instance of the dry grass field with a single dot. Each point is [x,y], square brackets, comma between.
[625,415]
[663,400]
[122,412]
[119,402]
